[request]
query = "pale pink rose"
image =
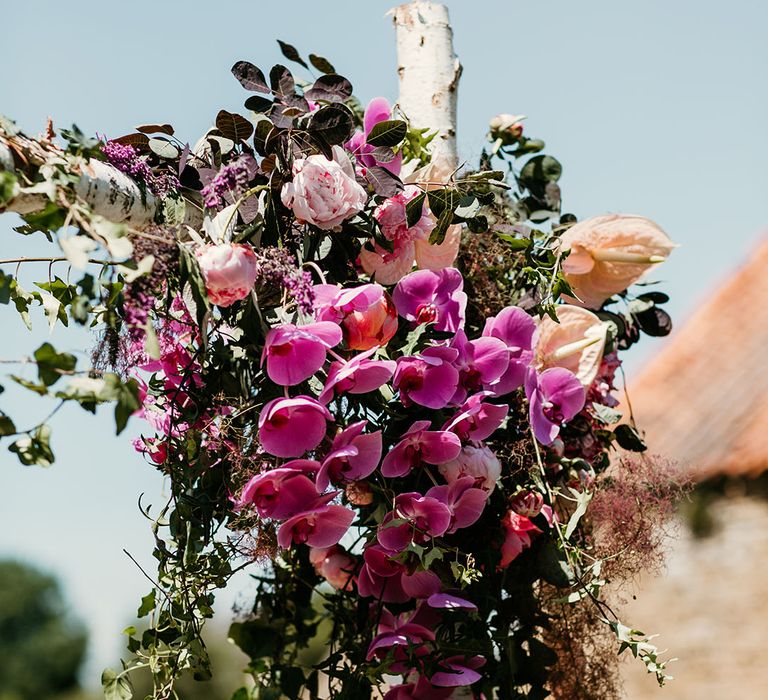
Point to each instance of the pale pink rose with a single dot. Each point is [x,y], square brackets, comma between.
[609,253]
[229,271]
[324,192]
[335,565]
[575,341]
[478,462]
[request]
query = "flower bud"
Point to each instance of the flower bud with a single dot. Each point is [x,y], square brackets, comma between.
[372,325]
[507,128]
[528,503]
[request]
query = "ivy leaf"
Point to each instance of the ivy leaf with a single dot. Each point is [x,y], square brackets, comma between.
[331,88]
[628,438]
[250,77]
[147,604]
[387,133]
[233,126]
[127,400]
[437,234]
[291,53]
[116,687]
[35,447]
[322,64]
[51,364]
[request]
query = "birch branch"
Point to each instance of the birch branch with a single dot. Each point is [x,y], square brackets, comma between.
[429,74]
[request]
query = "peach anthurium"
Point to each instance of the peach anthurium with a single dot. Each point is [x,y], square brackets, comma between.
[436,256]
[575,343]
[609,253]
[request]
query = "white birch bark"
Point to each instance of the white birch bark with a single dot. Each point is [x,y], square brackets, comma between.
[429,75]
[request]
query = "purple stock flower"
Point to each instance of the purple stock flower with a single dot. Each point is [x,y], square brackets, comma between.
[378,110]
[230,182]
[554,397]
[432,296]
[420,446]
[515,328]
[126,158]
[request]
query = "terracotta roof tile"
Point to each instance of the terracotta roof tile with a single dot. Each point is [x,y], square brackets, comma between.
[703,399]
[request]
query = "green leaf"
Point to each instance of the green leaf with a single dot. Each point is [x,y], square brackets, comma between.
[6,426]
[387,133]
[51,364]
[257,638]
[34,448]
[582,501]
[164,148]
[127,400]
[541,169]
[191,275]
[7,187]
[628,438]
[414,209]
[437,235]
[116,687]
[605,414]
[147,604]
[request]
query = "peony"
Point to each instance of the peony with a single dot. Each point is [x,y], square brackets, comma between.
[324,192]
[229,271]
[479,462]
[609,253]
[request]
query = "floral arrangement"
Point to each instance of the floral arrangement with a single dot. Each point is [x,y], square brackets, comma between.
[385,388]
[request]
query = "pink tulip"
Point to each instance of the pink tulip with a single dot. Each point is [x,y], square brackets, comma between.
[289,427]
[321,527]
[229,271]
[420,446]
[519,531]
[428,379]
[478,462]
[353,456]
[294,353]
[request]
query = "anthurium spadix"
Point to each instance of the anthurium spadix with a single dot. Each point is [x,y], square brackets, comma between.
[606,254]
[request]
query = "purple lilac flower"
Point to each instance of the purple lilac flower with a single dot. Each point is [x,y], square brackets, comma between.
[232,179]
[126,159]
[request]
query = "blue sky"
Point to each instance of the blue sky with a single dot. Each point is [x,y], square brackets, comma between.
[654,107]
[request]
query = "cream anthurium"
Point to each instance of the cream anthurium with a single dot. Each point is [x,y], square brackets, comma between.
[576,342]
[608,253]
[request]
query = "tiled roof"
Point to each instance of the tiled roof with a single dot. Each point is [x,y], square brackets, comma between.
[703,399]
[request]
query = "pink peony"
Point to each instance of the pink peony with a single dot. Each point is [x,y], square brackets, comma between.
[324,192]
[335,565]
[229,271]
[479,462]
[289,427]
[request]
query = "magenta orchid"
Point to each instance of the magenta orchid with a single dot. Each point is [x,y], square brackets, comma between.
[428,379]
[323,526]
[480,363]
[465,502]
[359,375]
[415,518]
[281,493]
[354,455]
[378,110]
[432,296]
[294,353]
[459,671]
[385,578]
[477,419]
[515,329]
[554,396]
[420,446]
[290,427]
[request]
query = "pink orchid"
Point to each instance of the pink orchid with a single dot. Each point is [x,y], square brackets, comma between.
[294,353]
[519,531]
[465,502]
[477,461]
[418,688]
[476,419]
[480,363]
[515,328]
[432,296]
[378,110]
[335,565]
[420,446]
[320,527]
[554,397]
[400,637]
[386,579]
[459,671]
[366,313]
[289,427]
[281,493]
[428,379]
[353,456]
[448,601]
[359,375]
[422,519]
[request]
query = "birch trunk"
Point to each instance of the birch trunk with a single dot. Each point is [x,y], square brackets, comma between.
[429,74]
